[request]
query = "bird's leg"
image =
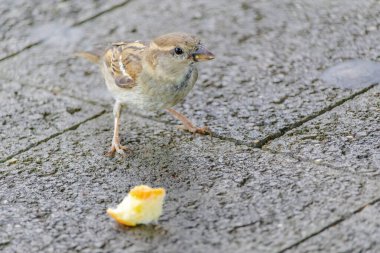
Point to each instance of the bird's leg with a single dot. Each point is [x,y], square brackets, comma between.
[116,147]
[187,125]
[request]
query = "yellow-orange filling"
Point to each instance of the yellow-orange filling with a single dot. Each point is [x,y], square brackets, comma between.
[145,192]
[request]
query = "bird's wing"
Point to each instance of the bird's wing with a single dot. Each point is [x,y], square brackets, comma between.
[123,60]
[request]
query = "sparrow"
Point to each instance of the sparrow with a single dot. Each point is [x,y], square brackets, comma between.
[151,76]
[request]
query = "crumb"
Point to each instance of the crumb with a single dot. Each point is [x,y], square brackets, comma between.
[142,205]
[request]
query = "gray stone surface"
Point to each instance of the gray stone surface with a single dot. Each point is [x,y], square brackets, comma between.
[360,233]
[269,57]
[347,137]
[24,22]
[219,195]
[314,188]
[29,115]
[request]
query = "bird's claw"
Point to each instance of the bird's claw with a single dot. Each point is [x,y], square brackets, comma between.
[117,148]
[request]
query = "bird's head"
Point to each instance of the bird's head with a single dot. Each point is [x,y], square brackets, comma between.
[175,51]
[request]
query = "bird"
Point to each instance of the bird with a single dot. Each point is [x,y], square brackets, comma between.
[151,76]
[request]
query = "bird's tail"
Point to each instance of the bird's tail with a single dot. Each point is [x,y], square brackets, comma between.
[93,57]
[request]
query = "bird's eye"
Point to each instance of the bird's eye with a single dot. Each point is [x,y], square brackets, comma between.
[178,50]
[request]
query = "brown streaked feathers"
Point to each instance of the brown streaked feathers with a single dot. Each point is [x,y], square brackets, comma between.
[123,60]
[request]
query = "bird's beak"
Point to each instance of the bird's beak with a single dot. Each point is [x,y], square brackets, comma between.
[202,54]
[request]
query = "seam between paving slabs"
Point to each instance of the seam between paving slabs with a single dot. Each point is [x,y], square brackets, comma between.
[21,50]
[281,132]
[73,127]
[112,8]
[332,224]
[308,118]
[78,23]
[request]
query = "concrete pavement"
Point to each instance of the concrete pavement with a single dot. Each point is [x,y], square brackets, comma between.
[293,163]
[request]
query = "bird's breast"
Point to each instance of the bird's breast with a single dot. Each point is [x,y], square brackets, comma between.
[153,94]
[165,93]
[183,82]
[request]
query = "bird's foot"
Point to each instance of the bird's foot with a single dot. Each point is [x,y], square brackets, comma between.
[117,148]
[195,130]
[187,125]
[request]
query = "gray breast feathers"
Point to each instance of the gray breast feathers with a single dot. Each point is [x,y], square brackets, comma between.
[189,79]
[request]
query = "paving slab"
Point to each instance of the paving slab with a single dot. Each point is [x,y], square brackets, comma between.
[29,115]
[220,196]
[269,56]
[359,233]
[24,23]
[346,138]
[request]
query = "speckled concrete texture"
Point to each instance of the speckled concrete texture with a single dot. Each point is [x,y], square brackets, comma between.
[265,76]
[220,196]
[26,23]
[360,233]
[292,164]
[30,115]
[346,138]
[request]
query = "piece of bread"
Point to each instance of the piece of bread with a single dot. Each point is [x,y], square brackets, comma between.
[142,205]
